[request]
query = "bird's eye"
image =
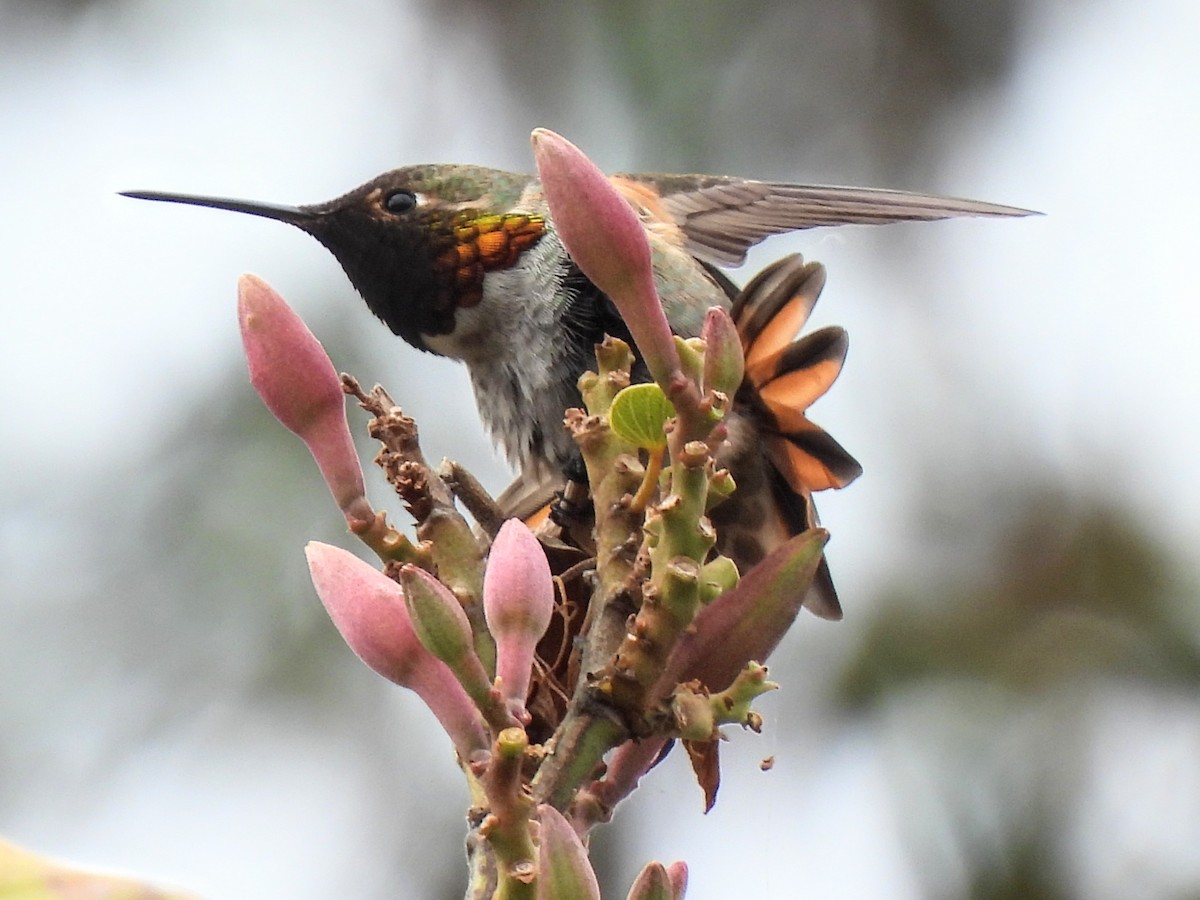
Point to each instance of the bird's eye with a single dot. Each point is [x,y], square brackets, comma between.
[400,201]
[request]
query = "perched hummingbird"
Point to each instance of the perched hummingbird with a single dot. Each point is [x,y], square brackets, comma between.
[464,262]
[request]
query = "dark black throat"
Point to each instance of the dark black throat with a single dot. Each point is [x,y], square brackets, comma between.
[391,270]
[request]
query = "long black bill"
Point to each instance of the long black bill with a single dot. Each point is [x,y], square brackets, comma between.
[294,215]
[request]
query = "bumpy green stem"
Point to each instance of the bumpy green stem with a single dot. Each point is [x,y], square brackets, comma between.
[614,475]
[679,537]
[506,828]
[388,544]
[590,727]
[590,730]
[732,705]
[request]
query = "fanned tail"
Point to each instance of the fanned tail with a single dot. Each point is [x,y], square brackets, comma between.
[784,376]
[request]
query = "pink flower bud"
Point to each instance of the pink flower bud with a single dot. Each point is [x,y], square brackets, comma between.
[296,380]
[652,883]
[518,601]
[724,364]
[602,234]
[677,873]
[563,866]
[368,610]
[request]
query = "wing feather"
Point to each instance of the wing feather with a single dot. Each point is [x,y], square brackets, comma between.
[722,218]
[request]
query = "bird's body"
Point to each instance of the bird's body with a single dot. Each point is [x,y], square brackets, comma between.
[465,262]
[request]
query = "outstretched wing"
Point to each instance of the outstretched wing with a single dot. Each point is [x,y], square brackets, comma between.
[721,218]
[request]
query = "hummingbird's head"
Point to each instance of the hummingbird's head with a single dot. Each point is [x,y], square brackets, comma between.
[415,242]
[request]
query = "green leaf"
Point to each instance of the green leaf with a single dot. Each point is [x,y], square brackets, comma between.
[639,413]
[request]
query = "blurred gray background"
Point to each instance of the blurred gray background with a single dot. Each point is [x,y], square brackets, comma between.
[1010,707]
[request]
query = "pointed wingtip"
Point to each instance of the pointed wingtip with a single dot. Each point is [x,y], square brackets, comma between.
[997,209]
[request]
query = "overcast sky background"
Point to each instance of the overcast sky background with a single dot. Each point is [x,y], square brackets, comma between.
[986,357]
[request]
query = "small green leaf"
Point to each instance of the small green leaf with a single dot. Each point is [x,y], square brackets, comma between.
[639,413]
[691,356]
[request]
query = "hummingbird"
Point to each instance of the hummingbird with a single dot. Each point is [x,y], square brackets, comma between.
[464,262]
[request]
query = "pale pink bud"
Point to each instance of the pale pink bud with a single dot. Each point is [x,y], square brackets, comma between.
[602,234]
[518,601]
[368,609]
[677,873]
[652,883]
[442,626]
[296,380]
[724,364]
[562,861]
[746,622]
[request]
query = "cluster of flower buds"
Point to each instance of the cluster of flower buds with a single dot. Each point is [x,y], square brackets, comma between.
[457,616]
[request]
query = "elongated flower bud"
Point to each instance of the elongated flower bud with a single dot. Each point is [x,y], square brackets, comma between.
[602,234]
[677,874]
[368,610]
[724,364]
[563,866]
[441,625]
[437,617]
[747,622]
[518,601]
[652,883]
[296,380]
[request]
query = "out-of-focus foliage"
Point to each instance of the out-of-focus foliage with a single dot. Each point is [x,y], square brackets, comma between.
[697,78]
[1073,590]
[992,682]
